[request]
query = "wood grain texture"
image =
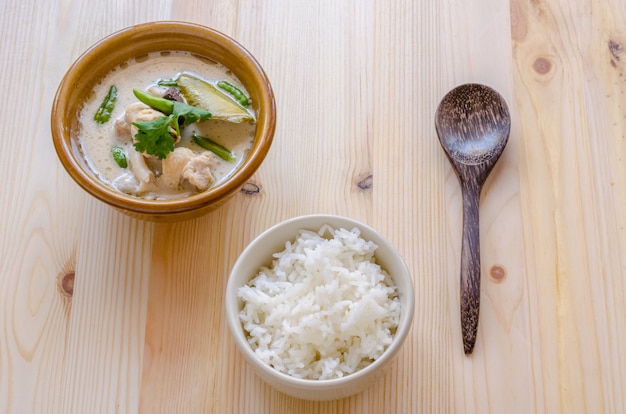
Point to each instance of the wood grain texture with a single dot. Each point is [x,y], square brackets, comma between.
[357,84]
[571,97]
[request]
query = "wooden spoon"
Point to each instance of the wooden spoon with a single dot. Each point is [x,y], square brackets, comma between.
[473,125]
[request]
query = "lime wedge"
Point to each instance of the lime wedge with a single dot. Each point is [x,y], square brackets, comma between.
[202,94]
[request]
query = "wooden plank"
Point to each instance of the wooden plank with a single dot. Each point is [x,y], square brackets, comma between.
[356,84]
[569,90]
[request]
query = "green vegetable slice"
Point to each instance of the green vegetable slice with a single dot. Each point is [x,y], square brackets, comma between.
[103,114]
[217,149]
[119,155]
[167,82]
[235,92]
[202,94]
[160,104]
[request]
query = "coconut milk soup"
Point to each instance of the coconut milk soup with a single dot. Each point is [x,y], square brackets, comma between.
[190,168]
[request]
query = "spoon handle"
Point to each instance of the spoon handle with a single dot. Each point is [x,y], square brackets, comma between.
[470,265]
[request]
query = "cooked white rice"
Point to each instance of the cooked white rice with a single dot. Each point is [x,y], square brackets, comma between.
[323,309]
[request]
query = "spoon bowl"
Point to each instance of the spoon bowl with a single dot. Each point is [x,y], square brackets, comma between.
[473,124]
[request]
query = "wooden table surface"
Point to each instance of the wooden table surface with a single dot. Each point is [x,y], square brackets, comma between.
[102,313]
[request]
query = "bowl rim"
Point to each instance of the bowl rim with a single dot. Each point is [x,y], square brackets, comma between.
[404,327]
[266,122]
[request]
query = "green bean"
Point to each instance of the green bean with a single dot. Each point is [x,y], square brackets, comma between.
[160,104]
[103,114]
[235,92]
[119,155]
[167,82]
[214,147]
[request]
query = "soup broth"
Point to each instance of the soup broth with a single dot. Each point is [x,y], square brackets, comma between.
[97,140]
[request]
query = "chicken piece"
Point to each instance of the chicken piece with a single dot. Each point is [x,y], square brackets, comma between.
[122,129]
[173,166]
[137,164]
[138,179]
[198,171]
[185,165]
[127,183]
[131,114]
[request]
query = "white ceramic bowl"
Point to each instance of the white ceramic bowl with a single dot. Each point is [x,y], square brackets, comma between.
[259,253]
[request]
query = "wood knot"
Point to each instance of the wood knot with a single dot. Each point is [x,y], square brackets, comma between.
[366,183]
[542,65]
[615,51]
[519,26]
[497,273]
[250,188]
[66,283]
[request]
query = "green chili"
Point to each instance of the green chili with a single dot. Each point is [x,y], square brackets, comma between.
[103,114]
[214,147]
[119,155]
[235,92]
[160,104]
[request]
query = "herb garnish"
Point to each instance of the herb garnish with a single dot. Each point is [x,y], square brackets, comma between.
[157,137]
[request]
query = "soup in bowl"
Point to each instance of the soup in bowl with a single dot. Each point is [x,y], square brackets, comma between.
[164,121]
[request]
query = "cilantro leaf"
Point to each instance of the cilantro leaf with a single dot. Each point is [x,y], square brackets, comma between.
[153,137]
[189,113]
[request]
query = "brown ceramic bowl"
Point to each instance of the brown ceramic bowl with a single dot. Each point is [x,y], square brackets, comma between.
[140,40]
